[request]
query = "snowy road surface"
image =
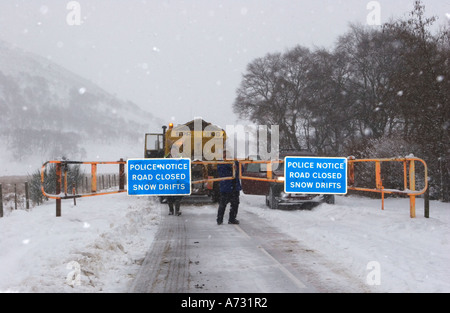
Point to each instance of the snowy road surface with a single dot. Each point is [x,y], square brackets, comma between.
[191,253]
[125,244]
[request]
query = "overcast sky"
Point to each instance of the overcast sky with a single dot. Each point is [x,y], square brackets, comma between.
[182,59]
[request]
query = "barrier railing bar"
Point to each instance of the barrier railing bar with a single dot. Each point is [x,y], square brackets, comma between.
[211,180]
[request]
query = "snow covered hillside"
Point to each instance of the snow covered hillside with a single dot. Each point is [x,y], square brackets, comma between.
[105,238]
[48,112]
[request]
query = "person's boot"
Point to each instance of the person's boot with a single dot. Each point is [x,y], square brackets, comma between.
[177,209]
[232,218]
[170,209]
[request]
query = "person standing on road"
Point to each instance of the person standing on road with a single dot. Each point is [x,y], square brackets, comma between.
[229,192]
[174,202]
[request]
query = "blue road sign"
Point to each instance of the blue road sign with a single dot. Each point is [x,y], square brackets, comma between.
[159,177]
[315,175]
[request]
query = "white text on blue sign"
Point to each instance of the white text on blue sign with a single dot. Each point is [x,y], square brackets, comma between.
[315,175]
[159,177]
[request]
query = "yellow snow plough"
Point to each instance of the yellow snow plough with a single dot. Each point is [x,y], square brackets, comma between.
[192,140]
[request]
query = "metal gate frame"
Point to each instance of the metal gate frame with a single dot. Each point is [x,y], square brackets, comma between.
[62,166]
[409,169]
[409,184]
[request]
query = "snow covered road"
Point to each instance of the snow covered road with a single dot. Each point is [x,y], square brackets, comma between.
[112,239]
[192,254]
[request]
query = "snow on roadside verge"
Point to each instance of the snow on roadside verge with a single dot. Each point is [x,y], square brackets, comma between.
[107,236]
[413,254]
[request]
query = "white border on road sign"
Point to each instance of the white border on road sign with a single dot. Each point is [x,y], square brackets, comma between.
[158,195]
[314,157]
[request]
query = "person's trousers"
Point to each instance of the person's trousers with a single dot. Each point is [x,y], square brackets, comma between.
[225,198]
[174,201]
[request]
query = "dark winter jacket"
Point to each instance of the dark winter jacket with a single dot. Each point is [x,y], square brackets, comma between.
[226,170]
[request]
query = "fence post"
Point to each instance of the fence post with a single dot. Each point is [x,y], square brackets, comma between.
[121,176]
[1,201]
[74,193]
[58,189]
[15,196]
[27,196]
[65,167]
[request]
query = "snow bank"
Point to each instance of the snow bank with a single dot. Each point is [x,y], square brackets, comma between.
[105,238]
[413,254]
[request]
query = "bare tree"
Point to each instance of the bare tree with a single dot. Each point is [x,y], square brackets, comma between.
[424,80]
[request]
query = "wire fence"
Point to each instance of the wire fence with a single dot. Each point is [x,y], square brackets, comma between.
[18,195]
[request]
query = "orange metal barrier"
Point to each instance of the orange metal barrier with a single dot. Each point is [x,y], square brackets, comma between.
[269,173]
[409,184]
[62,168]
[212,180]
[241,174]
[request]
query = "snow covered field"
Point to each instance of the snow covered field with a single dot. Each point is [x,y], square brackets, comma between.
[105,239]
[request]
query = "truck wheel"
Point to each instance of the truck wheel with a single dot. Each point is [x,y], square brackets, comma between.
[329,199]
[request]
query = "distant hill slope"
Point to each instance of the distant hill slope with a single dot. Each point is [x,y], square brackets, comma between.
[48,112]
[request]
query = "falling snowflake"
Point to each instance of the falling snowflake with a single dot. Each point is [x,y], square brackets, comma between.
[368,131]
[43,10]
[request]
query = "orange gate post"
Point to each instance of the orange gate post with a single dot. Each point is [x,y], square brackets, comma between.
[94,177]
[412,187]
